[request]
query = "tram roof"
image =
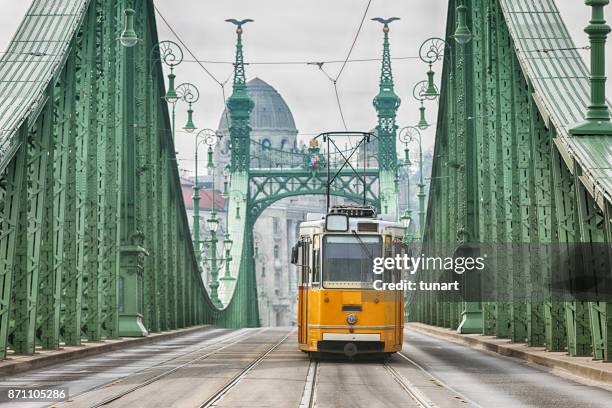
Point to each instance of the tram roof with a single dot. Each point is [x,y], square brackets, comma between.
[318,224]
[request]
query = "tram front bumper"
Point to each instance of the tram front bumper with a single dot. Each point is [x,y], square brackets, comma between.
[351,344]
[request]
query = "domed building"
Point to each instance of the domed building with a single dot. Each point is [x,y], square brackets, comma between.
[271,122]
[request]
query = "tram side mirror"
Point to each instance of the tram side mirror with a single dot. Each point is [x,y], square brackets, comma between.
[294,254]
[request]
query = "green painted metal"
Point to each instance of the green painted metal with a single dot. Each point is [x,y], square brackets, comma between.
[386,103]
[507,171]
[82,256]
[597,121]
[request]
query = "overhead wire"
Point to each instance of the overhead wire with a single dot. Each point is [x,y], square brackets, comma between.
[365,13]
[334,80]
[180,40]
[303,62]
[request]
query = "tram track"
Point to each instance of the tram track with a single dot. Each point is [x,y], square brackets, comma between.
[232,341]
[410,388]
[437,380]
[309,396]
[220,393]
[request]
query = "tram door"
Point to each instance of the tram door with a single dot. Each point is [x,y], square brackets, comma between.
[304,268]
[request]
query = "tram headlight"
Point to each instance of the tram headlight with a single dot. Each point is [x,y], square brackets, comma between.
[351,318]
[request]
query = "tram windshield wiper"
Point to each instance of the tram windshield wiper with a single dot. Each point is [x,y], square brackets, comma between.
[363,246]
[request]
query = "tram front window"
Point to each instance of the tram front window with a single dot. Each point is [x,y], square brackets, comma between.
[348,260]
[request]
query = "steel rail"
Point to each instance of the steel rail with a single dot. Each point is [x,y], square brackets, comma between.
[217,396]
[236,339]
[310,388]
[410,388]
[437,380]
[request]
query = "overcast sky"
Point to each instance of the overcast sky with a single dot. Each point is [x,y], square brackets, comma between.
[314,30]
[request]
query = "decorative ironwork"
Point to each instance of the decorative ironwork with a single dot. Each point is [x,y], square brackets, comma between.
[240,106]
[168,52]
[188,93]
[433,50]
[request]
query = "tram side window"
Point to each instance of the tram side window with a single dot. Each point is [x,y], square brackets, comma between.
[392,248]
[305,261]
[316,262]
[398,249]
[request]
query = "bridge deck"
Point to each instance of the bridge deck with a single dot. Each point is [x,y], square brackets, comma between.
[263,367]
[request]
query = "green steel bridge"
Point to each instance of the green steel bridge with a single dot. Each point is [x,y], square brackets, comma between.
[85,132]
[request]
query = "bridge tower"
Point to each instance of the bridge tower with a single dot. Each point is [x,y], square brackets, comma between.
[240,106]
[386,103]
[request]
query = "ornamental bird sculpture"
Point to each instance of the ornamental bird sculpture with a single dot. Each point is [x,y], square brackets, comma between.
[385,21]
[239,23]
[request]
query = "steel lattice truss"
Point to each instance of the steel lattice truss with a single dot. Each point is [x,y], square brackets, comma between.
[269,186]
[94,238]
[506,171]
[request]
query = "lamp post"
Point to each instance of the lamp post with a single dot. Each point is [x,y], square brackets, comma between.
[406,218]
[227,242]
[171,55]
[227,245]
[431,51]
[597,120]
[420,93]
[263,259]
[201,138]
[407,135]
[213,223]
[189,94]
[462,32]
[131,246]
[239,197]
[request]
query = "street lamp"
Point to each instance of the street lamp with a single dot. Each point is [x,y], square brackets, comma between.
[189,94]
[462,33]
[171,55]
[227,245]
[128,37]
[213,224]
[263,295]
[211,140]
[419,92]
[239,197]
[431,51]
[201,138]
[226,182]
[406,164]
[407,135]
[406,219]
[131,240]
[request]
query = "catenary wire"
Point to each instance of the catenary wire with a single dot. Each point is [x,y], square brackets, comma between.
[221,84]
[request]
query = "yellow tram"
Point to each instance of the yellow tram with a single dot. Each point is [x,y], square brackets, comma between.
[340,309]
